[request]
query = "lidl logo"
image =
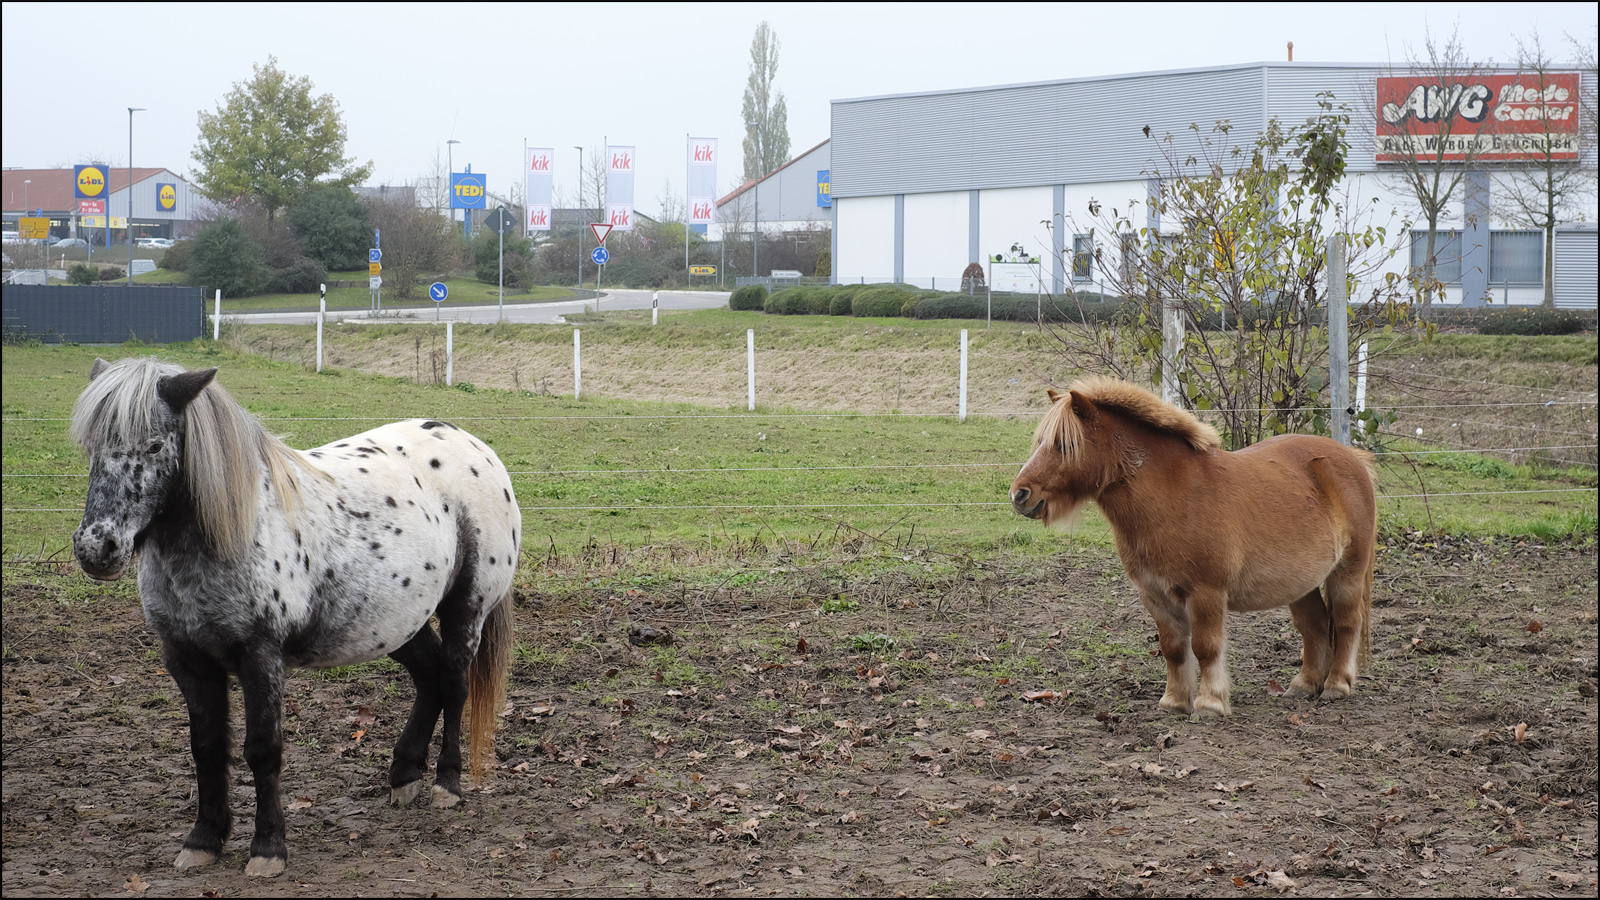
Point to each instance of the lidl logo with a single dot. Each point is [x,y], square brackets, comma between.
[91,182]
[166,196]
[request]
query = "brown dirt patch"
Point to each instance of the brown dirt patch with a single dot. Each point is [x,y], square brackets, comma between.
[879,748]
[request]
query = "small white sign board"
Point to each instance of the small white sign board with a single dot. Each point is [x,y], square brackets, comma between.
[375,282]
[1017,278]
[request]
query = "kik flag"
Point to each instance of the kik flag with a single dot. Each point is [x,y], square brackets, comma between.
[536,171]
[702,180]
[619,188]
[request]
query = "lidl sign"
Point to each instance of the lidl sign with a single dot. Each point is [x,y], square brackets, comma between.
[166,197]
[468,190]
[702,270]
[89,182]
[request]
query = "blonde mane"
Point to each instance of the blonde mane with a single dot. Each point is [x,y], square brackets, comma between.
[1062,426]
[221,442]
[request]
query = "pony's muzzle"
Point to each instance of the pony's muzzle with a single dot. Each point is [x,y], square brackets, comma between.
[99,554]
[1019,502]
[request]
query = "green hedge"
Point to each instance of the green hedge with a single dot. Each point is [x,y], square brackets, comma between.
[749,297]
[799,301]
[1020,309]
[1517,320]
[879,301]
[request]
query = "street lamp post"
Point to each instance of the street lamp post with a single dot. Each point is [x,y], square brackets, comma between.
[755,260]
[131,111]
[449,151]
[580,214]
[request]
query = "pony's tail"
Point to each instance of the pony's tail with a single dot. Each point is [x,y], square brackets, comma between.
[1364,654]
[486,687]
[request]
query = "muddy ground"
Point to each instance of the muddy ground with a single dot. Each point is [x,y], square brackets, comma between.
[813,731]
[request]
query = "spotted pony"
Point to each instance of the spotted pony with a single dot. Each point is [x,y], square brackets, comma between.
[255,558]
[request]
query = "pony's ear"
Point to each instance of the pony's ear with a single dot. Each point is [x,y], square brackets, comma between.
[99,366]
[1053,394]
[180,390]
[1081,405]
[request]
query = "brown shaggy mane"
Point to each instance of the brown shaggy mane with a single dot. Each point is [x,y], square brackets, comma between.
[1138,403]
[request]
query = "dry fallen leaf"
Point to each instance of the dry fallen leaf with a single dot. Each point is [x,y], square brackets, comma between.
[1280,882]
[979,702]
[299,803]
[135,885]
[1274,688]
[1535,626]
[1521,731]
[363,717]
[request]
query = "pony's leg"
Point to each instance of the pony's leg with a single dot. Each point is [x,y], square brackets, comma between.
[205,691]
[421,657]
[1347,606]
[261,677]
[1208,613]
[459,643]
[1311,619]
[1172,628]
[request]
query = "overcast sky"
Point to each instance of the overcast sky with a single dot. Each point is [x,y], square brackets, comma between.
[409,76]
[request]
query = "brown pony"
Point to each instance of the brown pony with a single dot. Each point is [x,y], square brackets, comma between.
[1202,531]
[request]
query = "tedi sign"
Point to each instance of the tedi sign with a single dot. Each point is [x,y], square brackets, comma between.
[1504,118]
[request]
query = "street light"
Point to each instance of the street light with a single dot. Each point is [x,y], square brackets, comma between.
[580,214]
[755,261]
[449,150]
[131,111]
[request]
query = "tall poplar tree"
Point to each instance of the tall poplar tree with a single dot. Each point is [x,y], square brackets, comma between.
[766,108]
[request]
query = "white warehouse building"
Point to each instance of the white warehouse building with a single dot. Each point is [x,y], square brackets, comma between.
[924,184]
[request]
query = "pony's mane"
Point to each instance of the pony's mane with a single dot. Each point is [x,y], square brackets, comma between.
[1061,425]
[222,441]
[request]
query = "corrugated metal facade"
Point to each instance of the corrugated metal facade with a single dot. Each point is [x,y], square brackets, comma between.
[1577,268]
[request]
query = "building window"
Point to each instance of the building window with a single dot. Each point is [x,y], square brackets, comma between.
[1516,257]
[1082,255]
[1446,254]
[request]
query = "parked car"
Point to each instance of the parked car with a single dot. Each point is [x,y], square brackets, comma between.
[154,243]
[11,237]
[70,244]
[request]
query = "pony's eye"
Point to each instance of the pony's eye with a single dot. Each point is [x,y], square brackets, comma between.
[154,448]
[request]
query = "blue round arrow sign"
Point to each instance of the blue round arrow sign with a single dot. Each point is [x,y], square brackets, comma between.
[600,256]
[438,291]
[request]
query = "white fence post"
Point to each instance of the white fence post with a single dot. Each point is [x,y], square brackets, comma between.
[655,301]
[1171,350]
[750,364]
[322,315]
[1361,378]
[1338,343]
[216,321]
[577,364]
[963,414]
[449,353]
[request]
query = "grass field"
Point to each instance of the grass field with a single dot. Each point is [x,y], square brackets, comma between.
[633,473]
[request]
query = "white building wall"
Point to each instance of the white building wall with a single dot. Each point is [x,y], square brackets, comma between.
[866,239]
[936,228]
[1116,200]
[1009,216]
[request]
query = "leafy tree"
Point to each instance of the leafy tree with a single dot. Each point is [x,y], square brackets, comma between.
[486,258]
[1241,255]
[769,111]
[272,141]
[332,227]
[225,258]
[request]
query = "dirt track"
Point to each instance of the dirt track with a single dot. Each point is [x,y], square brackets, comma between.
[879,748]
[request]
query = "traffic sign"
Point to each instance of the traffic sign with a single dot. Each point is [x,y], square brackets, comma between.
[438,291]
[34,228]
[375,282]
[702,270]
[601,256]
[600,232]
[374,255]
[501,222]
[374,268]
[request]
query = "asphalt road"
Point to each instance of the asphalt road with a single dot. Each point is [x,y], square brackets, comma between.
[551,313]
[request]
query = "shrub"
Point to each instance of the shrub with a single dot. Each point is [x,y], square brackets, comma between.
[176,259]
[225,258]
[81,274]
[824,264]
[838,303]
[633,271]
[301,276]
[749,297]
[972,278]
[1535,321]
[879,300]
[332,227]
[799,301]
[111,273]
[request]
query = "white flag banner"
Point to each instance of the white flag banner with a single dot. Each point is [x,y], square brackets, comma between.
[619,187]
[538,169]
[702,188]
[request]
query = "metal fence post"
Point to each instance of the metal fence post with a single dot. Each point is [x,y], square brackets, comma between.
[577,364]
[750,364]
[216,321]
[449,353]
[322,315]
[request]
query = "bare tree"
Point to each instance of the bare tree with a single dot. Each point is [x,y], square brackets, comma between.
[593,189]
[1430,135]
[768,110]
[672,206]
[417,243]
[433,188]
[1541,190]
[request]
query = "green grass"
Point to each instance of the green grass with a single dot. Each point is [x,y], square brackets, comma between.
[615,473]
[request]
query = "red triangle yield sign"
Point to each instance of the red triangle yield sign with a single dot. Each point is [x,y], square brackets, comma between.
[600,232]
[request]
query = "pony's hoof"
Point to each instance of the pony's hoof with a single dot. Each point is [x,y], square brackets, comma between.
[405,793]
[443,799]
[1210,706]
[1173,704]
[1300,689]
[1333,691]
[188,859]
[265,866]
